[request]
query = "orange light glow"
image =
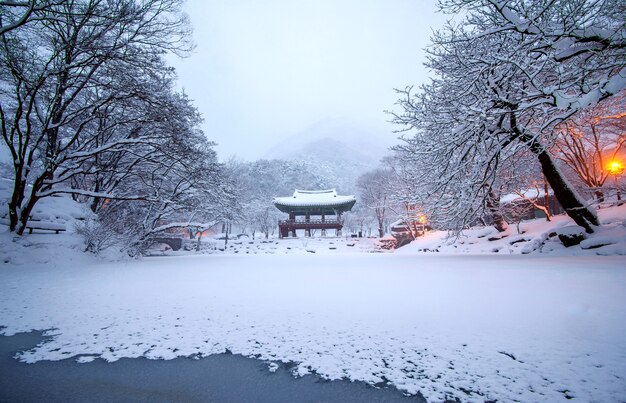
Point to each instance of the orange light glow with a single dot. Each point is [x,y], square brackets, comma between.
[616,168]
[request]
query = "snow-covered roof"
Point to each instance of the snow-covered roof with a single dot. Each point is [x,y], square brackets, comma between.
[528,193]
[315,198]
[327,197]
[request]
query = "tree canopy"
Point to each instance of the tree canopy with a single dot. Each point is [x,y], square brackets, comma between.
[505,77]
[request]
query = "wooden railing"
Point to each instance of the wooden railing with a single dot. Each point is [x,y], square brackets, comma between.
[310,221]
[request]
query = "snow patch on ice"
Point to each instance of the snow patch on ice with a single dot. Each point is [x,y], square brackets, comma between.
[83,359]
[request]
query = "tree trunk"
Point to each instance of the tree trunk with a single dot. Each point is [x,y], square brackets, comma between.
[493,206]
[25,213]
[16,201]
[546,199]
[198,243]
[564,192]
[380,217]
[599,195]
[568,198]
[95,203]
[33,199]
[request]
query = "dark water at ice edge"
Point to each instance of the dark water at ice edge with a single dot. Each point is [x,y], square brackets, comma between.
[217,378]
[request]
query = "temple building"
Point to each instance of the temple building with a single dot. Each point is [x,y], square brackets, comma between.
[318,209]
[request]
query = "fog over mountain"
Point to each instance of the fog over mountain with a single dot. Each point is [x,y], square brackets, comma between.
[337,150]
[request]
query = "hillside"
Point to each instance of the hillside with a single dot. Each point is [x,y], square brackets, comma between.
[337,150]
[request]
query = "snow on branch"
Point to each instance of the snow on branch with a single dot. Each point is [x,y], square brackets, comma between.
[200,226]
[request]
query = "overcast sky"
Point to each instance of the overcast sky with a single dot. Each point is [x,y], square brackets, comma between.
[263,71]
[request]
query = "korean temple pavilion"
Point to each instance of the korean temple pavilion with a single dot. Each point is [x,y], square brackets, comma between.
[314,207]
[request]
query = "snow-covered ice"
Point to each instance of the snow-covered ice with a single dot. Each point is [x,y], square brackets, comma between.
[512,328]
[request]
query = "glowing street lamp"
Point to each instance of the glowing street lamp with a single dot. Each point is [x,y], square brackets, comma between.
[616,168]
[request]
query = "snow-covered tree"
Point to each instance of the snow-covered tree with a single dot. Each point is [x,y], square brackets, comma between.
[260,181]
[523,178]
[406,198]
[190,194]
[588,141]
[63,74]
[505,77]
[14,14]
[359,220]
[375,193]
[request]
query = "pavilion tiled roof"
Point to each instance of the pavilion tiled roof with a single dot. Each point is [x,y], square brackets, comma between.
[315,198]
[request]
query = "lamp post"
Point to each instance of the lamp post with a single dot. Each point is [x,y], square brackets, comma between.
[616,168]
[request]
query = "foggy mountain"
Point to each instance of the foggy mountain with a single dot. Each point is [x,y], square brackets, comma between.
[337,150]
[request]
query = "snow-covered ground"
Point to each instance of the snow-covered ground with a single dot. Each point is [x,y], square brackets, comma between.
[302,245]
[533,237]
[526,328]
[513,316]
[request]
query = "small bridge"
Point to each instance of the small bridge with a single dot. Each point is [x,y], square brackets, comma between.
[173,242]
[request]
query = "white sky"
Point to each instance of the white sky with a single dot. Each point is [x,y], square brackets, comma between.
[266,70]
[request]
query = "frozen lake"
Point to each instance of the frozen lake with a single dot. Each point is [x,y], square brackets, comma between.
[217,378]
[527,328]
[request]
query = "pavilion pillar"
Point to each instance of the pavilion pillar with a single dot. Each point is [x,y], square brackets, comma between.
[307,219]
[338,230]
[292,219]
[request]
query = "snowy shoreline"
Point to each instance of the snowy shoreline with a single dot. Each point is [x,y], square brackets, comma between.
[219,378]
